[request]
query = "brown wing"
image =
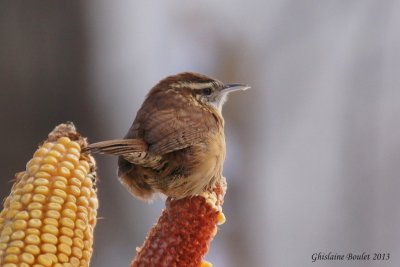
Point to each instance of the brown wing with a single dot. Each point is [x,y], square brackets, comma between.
[170,128]
[175,130]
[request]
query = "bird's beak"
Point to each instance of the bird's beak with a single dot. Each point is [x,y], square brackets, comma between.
[234,87]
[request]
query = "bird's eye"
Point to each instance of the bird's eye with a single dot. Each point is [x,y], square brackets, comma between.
[206,91]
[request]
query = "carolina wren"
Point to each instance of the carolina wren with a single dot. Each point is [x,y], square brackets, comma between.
[176,144]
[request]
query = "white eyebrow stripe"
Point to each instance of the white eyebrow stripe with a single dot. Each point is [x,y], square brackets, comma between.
[195,86]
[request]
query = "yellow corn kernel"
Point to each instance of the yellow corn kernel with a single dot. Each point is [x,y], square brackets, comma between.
[3,246]
[53,214]
[74,145]
[221,218]
[47,145]
[41,152]
[60,193]
[54,153]
[50,159]
[59,148]
[49,248]
[13,250]
[57,199]
[36,214]
[71,205]
[27,188]
[61,179]
[28,258]
[51,221]
[79,174]
[42,174]
[44,260]
[75,181]
[52,256]
[17,235]
[67,222]
[35,161]
[69,214]
[72,158]
[67,231]
[94,204]
[63,140]
[33,249]
[74,151]
[15,205]
[51,229]
[32,231]
[83,201]
[74,261]
[4,239]
[78,243]
[32,168]
[74,190]
[67,164]
[66,240]
[41,181]
[86,254]
[77,252]
[35,206]
[71,198]
[62,257]
[63,171]
[49,216]
[64,248]
[85,192]
[39,198]
[87,182]
[79,234]
[84,164]
[19,224]
[55,205]
[49,238]
[80,224]
[35,223]
[41,190]
[6,231]
[206,264]
[32,239]
[59,185]
[49,168]
[17,243]
[26,198]
[83,216]
[11,258]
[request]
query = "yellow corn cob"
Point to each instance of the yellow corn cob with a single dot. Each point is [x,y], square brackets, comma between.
[48,218]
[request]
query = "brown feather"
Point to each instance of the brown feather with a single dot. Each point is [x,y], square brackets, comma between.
[117,147]
[170,128]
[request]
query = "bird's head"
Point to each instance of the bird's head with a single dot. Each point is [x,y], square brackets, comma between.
[205,90]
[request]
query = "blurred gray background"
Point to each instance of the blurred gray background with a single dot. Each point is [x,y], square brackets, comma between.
[313,160]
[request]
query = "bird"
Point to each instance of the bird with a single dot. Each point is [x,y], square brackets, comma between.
[176,144]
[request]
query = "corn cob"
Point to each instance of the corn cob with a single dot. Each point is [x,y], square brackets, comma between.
[48,218]
[182,234]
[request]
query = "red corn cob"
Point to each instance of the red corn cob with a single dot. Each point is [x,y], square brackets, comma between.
[182,234]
